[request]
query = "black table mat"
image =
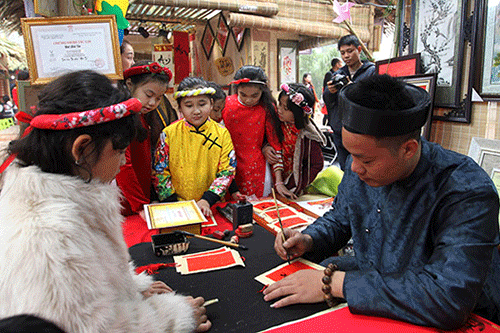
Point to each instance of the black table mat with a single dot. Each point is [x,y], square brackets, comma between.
[241,307]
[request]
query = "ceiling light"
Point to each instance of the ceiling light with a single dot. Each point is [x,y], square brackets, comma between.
[144,33]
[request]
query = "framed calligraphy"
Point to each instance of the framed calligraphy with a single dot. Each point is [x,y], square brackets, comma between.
[58,45]
[287,61]
[207,40]
[440,36]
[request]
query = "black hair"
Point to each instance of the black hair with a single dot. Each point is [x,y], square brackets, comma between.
[144,78]
[219,92]
[50,150]
[28,323]
[384,91]
[124,43]
[141,79]
[299,116]
[190,83]
[387,93]
[5,98]
[255,73]
[304,76]
[335,61]
[23,75]
[348,40]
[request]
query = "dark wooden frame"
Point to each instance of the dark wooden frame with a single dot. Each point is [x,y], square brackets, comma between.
[480,66]
[456,105]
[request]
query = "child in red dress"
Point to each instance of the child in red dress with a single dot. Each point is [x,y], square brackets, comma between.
[148,82]
[250,116]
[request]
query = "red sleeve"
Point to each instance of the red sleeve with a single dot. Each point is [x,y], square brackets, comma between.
[134,198]
[15,96]
[271,135]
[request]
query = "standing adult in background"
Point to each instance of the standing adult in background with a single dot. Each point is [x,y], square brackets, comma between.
[127,53]
[307,81]
[21,76]
[354,70]
[336,65]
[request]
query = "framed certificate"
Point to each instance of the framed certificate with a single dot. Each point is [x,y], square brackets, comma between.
[173,214]
[58,45]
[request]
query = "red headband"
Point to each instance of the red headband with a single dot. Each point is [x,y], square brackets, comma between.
[72,120]
[75,119]
[246,80]
[153,68]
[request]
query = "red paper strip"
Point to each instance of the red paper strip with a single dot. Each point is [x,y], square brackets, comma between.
[265,205]
[284,212]
[210,261]
[291,222]
[206,253]
[287,270]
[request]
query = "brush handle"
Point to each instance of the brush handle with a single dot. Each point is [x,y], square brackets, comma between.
[220,241]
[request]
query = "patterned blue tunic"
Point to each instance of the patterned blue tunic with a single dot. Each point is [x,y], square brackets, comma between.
[425,246]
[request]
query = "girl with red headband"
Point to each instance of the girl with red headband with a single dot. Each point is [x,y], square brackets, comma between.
[302,155]
[147,81]
[62,254]
[250,116]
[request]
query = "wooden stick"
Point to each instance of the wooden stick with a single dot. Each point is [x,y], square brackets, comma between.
[210,302]
[281,224]
[243,247]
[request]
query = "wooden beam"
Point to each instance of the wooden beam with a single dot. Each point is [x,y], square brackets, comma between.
[269,8]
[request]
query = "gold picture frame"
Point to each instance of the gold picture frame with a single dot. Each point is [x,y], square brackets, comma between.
[58,45]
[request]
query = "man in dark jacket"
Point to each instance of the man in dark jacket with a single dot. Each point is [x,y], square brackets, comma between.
[354,69]
[424,220]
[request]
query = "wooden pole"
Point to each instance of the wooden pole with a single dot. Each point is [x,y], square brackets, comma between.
[363,47]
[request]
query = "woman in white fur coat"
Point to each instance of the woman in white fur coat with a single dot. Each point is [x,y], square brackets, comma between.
[62,254]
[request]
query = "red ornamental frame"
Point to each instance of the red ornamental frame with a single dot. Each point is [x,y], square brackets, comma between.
[239,36]
[399,66]
[207,40]
[223,33]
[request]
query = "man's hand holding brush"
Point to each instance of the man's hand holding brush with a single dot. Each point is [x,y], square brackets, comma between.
[296,244]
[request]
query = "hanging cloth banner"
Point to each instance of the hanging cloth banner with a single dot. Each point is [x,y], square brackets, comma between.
[181,56]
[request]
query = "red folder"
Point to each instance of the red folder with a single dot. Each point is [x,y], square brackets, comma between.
[342,320]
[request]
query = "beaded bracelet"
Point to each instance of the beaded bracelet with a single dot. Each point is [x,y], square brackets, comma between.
[327,288]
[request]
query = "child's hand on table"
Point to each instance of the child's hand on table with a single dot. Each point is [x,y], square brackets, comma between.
[282,190]
[237,196]
[204,207]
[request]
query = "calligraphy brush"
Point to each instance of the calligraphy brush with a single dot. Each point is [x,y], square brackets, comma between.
[281,224]
[239,246]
